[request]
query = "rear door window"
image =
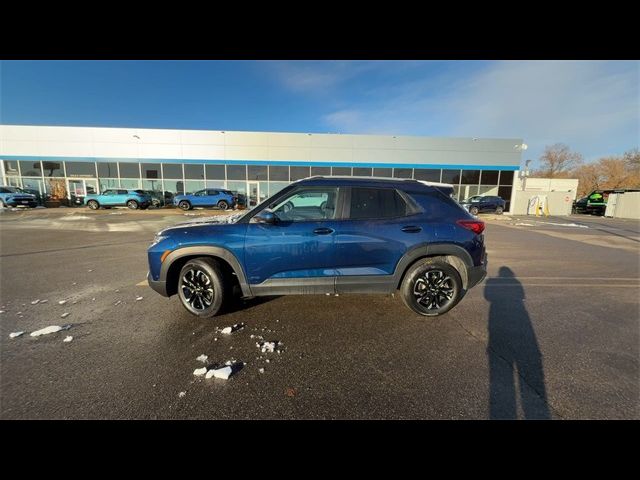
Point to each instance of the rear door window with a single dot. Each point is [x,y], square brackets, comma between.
[376,203]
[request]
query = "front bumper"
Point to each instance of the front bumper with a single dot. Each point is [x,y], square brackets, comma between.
[157,285]
[24,203]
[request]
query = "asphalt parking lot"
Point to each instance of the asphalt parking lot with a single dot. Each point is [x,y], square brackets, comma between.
[553,332]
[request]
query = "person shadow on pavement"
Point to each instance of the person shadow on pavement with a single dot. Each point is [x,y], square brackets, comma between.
[513,352]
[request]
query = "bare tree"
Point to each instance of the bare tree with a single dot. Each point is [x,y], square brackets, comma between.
[557,161]
[589,177]
[609,172]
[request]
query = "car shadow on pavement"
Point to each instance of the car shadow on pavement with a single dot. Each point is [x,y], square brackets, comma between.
[237,304]
[513,352]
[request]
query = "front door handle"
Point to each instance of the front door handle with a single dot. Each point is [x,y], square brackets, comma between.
[323,231]
[411,229]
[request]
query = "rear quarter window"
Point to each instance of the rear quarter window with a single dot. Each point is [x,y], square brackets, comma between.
[376,203]
[438,206]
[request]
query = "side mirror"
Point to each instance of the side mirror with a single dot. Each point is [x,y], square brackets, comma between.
[265,216]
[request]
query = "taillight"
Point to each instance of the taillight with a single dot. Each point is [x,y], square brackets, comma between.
[476,226]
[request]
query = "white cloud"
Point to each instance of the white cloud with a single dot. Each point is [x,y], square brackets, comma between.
[590,105]
[317,77]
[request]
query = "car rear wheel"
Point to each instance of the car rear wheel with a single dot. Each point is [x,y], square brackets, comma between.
[184,205]
[132,204]
[499,210]
[201,287]
[222,205]
[473,210]
[431,287]
[93,205]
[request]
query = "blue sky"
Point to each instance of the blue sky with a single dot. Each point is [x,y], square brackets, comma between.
[593,106]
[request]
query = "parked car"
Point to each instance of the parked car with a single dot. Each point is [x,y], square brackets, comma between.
[209,197]
[484,204]
[157,198]
[596,202]
[14,196]
[327,235]
[116,197]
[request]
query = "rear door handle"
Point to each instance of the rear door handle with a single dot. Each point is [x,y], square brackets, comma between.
[411,229]
[323,231]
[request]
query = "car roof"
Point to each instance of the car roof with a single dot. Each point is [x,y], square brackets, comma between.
[347,181]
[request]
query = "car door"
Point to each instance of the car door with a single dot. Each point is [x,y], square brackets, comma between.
[121,197]
[378,229]
[297,252]
[107,197]
[212,197]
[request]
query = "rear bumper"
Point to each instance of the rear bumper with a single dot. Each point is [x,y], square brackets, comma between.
[476,274]
[157,285]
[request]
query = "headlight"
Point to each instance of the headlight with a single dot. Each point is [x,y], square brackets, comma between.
[158,238]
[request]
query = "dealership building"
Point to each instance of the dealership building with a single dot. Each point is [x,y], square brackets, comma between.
[69,162]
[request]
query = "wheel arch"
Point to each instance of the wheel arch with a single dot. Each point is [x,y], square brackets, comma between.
[176,260]
[453,254]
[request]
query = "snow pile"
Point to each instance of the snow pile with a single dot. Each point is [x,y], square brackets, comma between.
[65,315]
[182,394]
[223,373]
[226,330]
[62,302]
[35,302]
[268,347]
[234,328]
[15,334]
[138,298]
[198,372]
[202,358]
[67,339]
[46,331]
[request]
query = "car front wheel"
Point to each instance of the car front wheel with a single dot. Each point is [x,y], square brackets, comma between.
[431,287]
[184,205]
[499,210]
[201,287]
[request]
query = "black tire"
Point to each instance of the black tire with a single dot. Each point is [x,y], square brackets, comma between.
[473,210]
[156,203]
[132,204]
[431,287]
[206,276]
[499,210]
[223,205]
[93,205]
[184,205]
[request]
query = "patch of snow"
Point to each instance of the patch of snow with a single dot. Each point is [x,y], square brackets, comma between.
[15,334]
[35,302]
[202,358]
[89,271]
[1,311]
[182,394]
[62,302]
[261,370]
[44,301]
[198,372]
[65,315]
[224,373]
[226,330]
[118,302]
[68,338]
[267,346]
[46,331]
[139,298]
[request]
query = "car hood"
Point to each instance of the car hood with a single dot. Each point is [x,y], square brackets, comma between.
[216,220]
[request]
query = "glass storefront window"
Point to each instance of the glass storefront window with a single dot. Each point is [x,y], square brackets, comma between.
[489,177]
[382,172]
[264,191]
[239,188]
[172,170]
[402,172]
[129,170]
[52,169]
[362,172]
[34,186]
[275,187]
[506,177]
[107,183]
[81,169]
[130,183]
[451,176]
[174,186]
[427,175]
[278,174]
[151,170]
[192,186]
[488,190]
[236,172]
[456,192]
[470,177]
[298,173]
[215,184]
[467,191]
[193,172]
[11,167]
[215,172]
[155,185]
[341,171]
[30,168]
[316,171]
[108,169]
[257,172]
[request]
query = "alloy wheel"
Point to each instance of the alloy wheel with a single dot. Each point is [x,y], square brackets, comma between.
[197,289]
[434,290]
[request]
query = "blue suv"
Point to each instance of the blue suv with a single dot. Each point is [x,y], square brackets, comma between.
[324,235]
[117,197]
[209,197]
